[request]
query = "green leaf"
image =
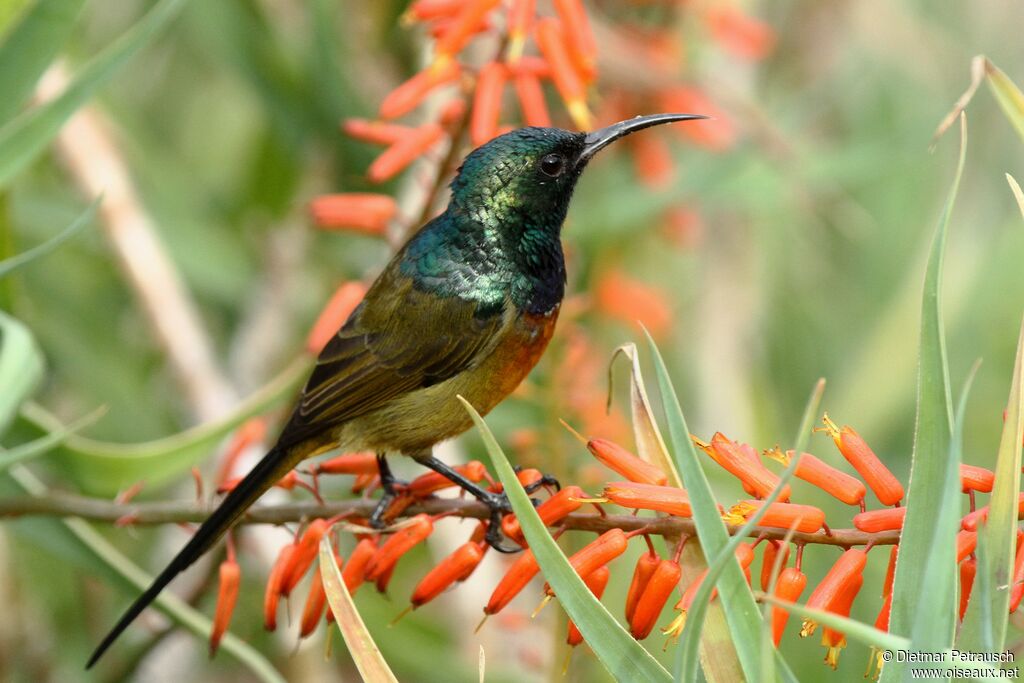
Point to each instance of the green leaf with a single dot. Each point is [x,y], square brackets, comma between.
[1009,96]
[46,443]
[27,135]
[365,653]
[30,47]
[740,608]
[924,587]
[984,627]
[131,578]
[863,633]
[21,367]
[621,654]
[8,266]
[103,467]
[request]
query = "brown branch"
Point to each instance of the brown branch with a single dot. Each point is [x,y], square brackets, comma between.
[101,510]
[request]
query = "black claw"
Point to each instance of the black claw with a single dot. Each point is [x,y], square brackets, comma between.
[494,537]
[545,480]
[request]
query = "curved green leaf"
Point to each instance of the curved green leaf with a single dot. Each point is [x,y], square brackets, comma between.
[924,587]
[863,633]
[21,367]
[104,468]
[44,444]
[27,135]
[30,47]
[365,653]
[8,266]
[618,651]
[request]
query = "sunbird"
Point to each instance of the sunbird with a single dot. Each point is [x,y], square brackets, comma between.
[466,307]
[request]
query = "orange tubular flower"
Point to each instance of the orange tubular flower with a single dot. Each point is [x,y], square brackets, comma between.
[886,519]
[1017,583]
[662,583]
[483,124]
[805,519]
[579,38]
[520,16]
[462,27]
[551,511]
[596,581]
[965,544]
[354,572]
[645,567]
[817,472]
[771,552]
[876,660]
[597,553]
[251,432]
[227,596]
[399,155]
[426,10]
[835,640]
[716,133]
[408,95]
[670,499]
[728,454]
[349,463]
[305,553]
[740,34]
[273,590]
[619,296]
[363,212]
[617,458]
[885,485]
[744,554]
[456,567]
[789,587]
[432,482]
[314,607]
[846,571]
[378,132]
[531,100]
[551,40]
[518,575]
[972,519]
[334,315]
[890,571]
[976,479]
[968,568]
[401,542]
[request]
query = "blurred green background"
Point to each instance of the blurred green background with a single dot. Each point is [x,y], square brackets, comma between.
[808,263]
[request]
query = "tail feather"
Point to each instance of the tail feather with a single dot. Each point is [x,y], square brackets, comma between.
[272,467]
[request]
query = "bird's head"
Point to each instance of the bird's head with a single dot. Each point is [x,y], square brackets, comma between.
[528,175]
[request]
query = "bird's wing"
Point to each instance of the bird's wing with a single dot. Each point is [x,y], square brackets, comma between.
[399,339]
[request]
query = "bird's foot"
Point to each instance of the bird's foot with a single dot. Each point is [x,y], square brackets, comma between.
[544,481]
[390,488]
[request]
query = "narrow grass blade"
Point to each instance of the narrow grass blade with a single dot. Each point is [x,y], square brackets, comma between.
[47,443]
[985,622]
[27,135]
[1018,194]
[30,47]
[737,600]
[924,588]
[21,367]
[649,443]
[365,653]
[803,432]
[863,633]
[131,578]
[695,617]
[103,467]
[619,652]
[1009,96]
[8,266]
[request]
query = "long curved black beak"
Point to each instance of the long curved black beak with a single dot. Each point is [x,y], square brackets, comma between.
[602,137]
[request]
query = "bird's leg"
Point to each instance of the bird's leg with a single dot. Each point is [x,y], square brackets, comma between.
[496,502]
[387,484]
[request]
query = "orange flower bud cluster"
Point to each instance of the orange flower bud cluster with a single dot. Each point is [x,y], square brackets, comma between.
[731,457]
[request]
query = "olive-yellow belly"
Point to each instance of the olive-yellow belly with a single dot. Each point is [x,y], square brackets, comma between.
[414,422]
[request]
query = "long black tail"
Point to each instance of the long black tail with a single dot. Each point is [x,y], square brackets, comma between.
[272,467]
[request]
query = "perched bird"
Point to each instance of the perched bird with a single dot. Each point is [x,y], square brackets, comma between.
[466,308]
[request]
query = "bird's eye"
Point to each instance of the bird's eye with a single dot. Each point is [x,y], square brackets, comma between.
[552,165]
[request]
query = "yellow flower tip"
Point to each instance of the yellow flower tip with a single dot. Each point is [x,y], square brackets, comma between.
[778,455]
[580,114]
[830,426]
[733,518]
[589,500]
[516,43]
[407,19]
[833,652]
[582,439]
[700,443]
[440,63]
[807,627]
[875,664]
[675,629]
[481,624]
[542,605]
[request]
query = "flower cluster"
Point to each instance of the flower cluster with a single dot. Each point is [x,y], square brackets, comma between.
[655,579]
